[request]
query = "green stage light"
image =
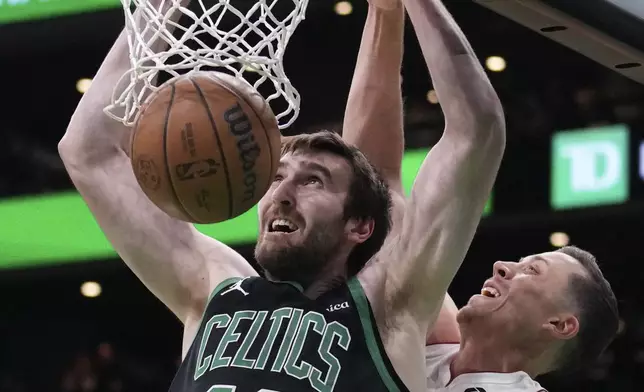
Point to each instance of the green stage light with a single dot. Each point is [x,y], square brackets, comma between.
[58,228]
[23,10]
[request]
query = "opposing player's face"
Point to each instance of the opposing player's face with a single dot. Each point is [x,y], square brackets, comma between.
[301,216]
[526,301]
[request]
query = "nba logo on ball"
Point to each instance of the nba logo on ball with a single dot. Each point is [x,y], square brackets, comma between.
[205,147]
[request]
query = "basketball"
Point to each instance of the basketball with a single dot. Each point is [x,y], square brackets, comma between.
[205,147]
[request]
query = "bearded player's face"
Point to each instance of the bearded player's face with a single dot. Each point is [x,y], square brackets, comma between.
[301,216]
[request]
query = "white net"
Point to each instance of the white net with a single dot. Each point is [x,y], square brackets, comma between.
[246,38]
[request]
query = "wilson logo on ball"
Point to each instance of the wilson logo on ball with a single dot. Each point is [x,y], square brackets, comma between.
[240,126]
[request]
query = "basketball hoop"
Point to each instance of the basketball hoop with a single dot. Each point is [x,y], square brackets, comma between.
[241,37]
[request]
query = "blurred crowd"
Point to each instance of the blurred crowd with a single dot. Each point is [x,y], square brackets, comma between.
[32,166]
[110,368]
[102,370]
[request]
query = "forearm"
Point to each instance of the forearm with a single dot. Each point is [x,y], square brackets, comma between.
[177,263]
[91,135]
[373,118]
[463,89]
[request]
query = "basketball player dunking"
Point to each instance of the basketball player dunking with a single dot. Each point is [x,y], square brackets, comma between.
[340,309]
[549,311]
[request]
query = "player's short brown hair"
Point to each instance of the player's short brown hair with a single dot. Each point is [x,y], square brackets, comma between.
[598,314]
[368,196]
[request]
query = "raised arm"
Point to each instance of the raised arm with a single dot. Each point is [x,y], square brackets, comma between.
[176,262]
[456,178]
[373,119]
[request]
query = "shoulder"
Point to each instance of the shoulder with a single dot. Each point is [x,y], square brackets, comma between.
[497,382]
[441,350]
[438,358]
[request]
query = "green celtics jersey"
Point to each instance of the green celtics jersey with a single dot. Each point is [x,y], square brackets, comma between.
[262,336]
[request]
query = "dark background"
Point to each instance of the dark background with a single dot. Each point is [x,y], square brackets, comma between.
[52,338]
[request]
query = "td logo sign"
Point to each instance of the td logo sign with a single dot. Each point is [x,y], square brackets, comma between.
[589,167]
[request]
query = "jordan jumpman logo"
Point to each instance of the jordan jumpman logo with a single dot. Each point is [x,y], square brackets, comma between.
[236,287]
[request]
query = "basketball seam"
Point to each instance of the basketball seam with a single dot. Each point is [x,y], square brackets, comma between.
[178,203]
[268,143]
[223,155]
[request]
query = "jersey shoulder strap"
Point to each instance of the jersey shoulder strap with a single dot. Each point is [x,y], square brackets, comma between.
[372,338]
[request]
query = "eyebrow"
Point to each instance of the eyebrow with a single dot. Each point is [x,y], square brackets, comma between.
[537,258]
[315,167]
[319,168]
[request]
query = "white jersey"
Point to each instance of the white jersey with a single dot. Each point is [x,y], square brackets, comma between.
[438,358]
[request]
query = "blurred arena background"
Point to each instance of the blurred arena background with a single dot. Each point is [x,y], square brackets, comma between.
[72,316]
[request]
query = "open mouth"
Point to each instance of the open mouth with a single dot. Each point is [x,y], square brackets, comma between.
[490,292]
[282,226]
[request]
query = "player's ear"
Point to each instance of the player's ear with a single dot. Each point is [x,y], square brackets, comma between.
[359,230]
[563,326]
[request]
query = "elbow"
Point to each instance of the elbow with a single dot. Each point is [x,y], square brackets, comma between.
[65,148]
[77,153]
[486,112]
[71,154]
[477,118]
[70,146]
[493,116]
[74,164]
[487,127]
[492,131]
